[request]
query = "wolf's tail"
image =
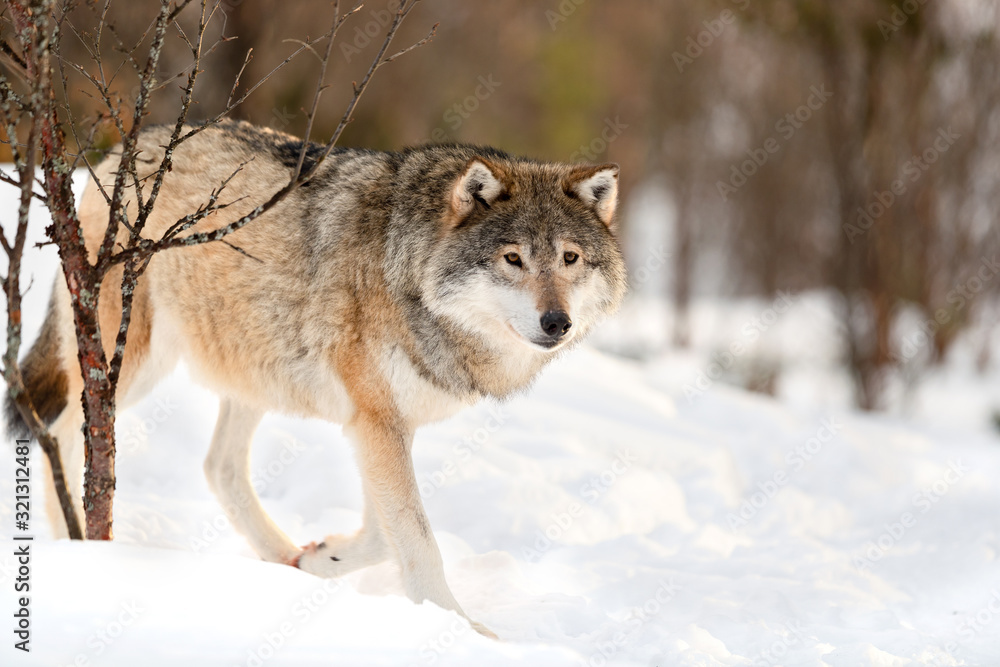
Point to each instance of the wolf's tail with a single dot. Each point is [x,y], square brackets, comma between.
[44,377]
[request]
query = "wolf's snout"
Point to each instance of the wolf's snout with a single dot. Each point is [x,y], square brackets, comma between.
[556,323]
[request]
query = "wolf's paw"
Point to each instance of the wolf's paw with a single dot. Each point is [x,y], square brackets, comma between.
[333,557]
[318,559]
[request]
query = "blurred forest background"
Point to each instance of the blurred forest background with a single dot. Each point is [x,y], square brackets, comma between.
[849,147]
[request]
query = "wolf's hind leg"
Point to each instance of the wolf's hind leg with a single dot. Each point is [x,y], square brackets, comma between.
[228,470]
[339,554]
[67,430]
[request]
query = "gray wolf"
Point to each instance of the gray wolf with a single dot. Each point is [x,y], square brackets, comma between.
[391,291]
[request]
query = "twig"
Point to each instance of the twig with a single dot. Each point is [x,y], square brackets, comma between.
[236,81]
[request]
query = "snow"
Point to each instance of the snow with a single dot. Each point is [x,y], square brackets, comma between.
[608,516]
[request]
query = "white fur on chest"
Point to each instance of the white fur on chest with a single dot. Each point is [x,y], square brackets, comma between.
[419,401]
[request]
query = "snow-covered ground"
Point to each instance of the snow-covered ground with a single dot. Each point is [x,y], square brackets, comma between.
[611,516]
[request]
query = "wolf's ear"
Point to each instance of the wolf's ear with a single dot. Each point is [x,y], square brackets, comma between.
[478,182]
[596,187]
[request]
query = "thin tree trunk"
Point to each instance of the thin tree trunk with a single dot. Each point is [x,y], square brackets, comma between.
[84,289]
[84,286]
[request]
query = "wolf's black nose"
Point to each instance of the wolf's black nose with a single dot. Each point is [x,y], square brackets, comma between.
[556,323]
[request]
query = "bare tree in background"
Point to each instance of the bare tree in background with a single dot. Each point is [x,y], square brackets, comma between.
[39,126]
[892,74]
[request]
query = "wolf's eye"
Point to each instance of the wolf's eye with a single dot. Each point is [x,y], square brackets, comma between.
[513,258]
[570,257]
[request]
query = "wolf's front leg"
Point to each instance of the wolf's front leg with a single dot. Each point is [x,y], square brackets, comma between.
[387,468]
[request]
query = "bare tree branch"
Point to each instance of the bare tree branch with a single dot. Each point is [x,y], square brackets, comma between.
[300,175]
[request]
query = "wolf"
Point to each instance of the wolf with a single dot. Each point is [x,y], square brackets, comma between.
[388,292]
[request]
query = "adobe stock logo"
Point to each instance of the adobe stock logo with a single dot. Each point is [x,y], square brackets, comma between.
[957,299]
[591,491]
[911,172]
[924,500]
[459,112]
[899,17]
[696,45]
[795,459]
[591,151]
[725,359]
[786,127]
[566,9]
[378,21]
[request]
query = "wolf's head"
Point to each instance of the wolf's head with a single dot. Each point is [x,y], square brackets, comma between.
[527,253]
